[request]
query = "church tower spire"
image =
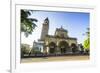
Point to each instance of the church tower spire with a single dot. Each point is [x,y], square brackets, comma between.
[45,28]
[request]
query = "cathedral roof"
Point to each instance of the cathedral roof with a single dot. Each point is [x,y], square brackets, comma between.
[52,36]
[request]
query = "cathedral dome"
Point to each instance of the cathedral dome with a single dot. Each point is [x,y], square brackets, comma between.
[61,32]
[61,29]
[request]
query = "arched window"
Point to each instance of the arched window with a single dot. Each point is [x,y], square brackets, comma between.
[74,47]
[52,47]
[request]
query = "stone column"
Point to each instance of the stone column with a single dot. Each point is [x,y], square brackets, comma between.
[57,48]
[47,49]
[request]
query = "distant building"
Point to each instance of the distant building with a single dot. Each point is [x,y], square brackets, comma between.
[59,43]
[38,46]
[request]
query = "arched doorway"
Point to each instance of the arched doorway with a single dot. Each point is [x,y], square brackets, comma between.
[52,48]
[74,47]
[63,45]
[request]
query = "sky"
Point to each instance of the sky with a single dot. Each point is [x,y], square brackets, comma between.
[76,23]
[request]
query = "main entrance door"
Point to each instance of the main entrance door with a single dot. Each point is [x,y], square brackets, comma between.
[63,45]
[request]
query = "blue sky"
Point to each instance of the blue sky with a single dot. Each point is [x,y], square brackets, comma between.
[75,22]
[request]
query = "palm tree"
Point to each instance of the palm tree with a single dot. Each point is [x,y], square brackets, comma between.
[27,24]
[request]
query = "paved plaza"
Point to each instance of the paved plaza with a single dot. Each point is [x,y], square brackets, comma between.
[59,58]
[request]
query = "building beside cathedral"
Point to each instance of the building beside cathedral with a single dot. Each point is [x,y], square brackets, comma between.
[59,43]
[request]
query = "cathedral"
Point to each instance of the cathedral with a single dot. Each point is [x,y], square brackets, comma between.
[59,43]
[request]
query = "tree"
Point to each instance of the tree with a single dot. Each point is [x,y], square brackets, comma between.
[25,49]
[27,24]
[87,41]
[87,44]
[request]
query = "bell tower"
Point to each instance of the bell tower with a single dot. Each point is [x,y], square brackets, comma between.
[45,28]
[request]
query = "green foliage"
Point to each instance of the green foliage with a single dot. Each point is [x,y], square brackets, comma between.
[25,49]
[87,44]
[27,24]
[87,41]
[37,52]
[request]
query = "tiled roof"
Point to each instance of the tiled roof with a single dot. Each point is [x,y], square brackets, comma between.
[51,36]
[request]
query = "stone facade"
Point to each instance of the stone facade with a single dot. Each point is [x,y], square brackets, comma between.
[59,43]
